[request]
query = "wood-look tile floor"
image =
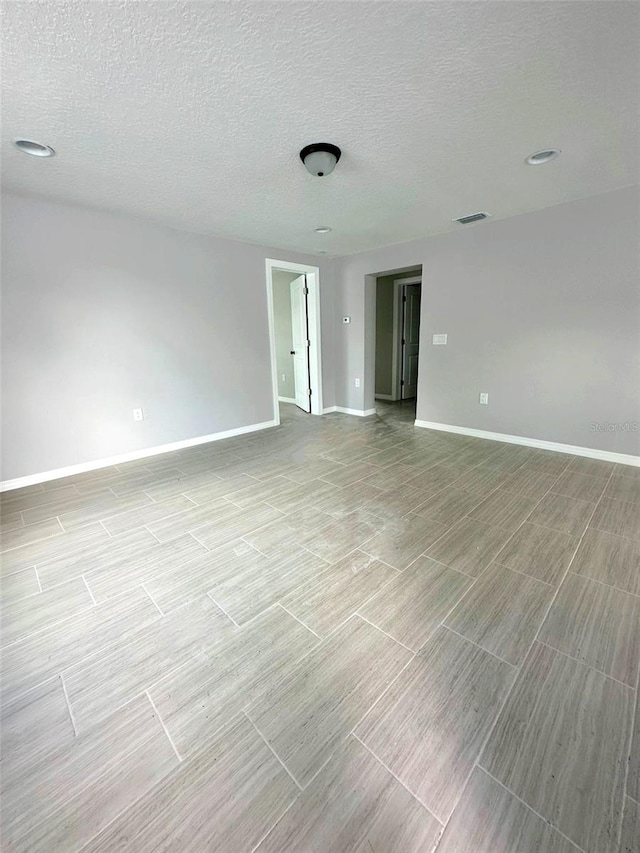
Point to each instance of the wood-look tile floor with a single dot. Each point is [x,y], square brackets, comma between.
[340,634]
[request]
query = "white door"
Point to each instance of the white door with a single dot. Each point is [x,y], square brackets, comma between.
[300,348]
[410,340]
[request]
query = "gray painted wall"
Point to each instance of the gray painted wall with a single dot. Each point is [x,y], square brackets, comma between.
[384,330]
[283,331]
[103,313]
[542,312]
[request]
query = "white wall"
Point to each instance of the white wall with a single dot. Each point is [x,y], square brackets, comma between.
[542,312]
[283,331]
[103,313]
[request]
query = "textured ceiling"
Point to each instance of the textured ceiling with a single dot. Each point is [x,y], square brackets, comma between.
[193,113]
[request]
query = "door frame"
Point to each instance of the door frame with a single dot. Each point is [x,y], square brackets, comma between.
[315,350]
[396,357]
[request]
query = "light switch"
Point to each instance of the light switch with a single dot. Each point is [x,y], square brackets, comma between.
[439,340]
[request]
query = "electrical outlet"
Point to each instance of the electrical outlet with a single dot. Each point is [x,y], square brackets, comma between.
[346,319]
[484,398]
[138,415]
[284,377]
[357,383]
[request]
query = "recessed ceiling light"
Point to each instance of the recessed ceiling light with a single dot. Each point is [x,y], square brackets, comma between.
[323,229]
[36,149]
[541,157]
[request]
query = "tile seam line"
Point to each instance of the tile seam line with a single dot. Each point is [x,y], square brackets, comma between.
[128,807]
[400,782]
[153,601]
[527,806]
[49,625]
[373,594]
[54,536]
[485,497]
[519,668]
[69,709]
[414,654]
[383,693]
[604,583]
[109,647]
[586,665]
[442,624]
[525,521]
[163,724]
[274,753]
[524,660]
[277,821]
[518,572]
[172,670]
[39,821]
[217,604]
[223,643]
[617,535]
[478,646]
[382,631]
[293,616]
[630,741]
[84,578]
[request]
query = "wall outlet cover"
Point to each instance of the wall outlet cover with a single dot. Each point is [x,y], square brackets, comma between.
[138,415]
[357,383]
[484,398]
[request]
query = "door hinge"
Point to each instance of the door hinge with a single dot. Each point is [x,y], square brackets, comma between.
[308,392]
[404,298]
[306,291]
[308,343]
[403,342]
[402,381]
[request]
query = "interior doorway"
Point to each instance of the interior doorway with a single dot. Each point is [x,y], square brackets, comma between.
[409,334]
[298,321]
[398,302]
[293,299]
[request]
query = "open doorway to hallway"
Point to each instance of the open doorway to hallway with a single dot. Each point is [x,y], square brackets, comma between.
[294,327]
[398,300]
[291,326]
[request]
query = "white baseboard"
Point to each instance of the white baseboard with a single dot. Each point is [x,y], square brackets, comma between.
[359,413]
[287,400]
[33,479]
[590,452]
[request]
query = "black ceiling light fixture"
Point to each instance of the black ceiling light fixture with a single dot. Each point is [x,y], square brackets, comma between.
[320,158]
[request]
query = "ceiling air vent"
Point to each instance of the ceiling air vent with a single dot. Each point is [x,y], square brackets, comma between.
[473,217]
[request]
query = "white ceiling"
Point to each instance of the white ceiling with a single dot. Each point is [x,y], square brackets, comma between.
[193,113]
